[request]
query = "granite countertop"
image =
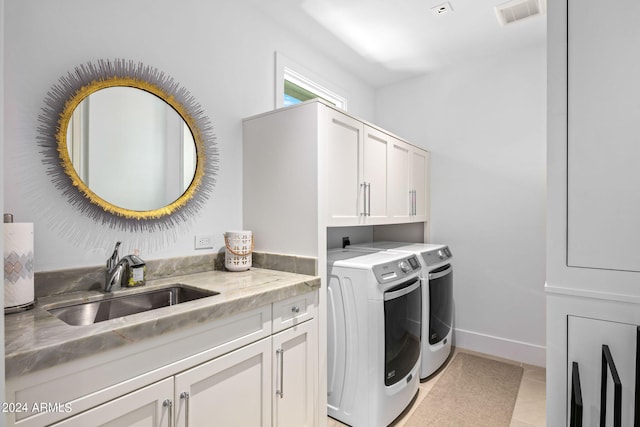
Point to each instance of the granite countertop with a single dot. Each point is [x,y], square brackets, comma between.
[35,339]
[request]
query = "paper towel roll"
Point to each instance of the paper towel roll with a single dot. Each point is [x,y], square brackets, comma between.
[18,265]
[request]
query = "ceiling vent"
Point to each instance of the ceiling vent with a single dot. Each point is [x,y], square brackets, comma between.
[516,10]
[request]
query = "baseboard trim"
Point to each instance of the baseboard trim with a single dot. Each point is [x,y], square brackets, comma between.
[531,354]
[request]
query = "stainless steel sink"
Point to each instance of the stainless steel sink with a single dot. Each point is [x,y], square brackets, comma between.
[89,313]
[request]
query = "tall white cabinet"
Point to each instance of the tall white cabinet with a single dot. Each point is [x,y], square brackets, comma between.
[310,167]
[593,240]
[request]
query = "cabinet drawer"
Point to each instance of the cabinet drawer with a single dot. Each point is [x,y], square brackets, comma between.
[294,310]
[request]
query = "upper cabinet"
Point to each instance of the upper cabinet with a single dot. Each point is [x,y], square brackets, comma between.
[408,180]
[320,164]
[602,135]
[358,158]
[374,177]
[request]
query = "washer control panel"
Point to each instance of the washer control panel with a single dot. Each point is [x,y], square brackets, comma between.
[436,256]
[396,269]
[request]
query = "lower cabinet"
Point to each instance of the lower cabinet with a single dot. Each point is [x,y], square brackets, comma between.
[602,372]
[294,352]
[270,382]
[232,390]
[148,407]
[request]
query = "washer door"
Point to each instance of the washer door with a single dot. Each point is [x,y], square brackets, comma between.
[402,323]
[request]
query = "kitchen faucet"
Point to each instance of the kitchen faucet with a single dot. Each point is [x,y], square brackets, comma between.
[115,266]
[131,269]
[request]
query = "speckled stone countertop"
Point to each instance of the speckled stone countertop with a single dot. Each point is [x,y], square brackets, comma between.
[35,339]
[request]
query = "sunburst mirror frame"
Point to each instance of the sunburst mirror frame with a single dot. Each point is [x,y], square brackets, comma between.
[88,78]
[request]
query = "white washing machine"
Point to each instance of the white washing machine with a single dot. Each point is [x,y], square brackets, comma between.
[373,335]
[437,298]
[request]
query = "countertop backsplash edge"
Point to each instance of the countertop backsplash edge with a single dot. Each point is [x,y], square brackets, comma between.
[92,278]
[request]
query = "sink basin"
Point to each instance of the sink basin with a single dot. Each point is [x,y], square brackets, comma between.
[89,313]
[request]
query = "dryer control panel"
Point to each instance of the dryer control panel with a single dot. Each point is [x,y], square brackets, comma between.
[396,269]
[436,256]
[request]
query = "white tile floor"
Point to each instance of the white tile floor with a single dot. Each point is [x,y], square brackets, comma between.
[530,407]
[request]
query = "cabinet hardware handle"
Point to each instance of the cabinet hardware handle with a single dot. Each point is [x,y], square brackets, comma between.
[280,392]
[607,362]
[295,309]
[369,199]
[364,199]
[414,203]
[576,397]
[410,202]
[185,395]
[169,404]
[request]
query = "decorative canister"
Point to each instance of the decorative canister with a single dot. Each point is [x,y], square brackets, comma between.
[238,250]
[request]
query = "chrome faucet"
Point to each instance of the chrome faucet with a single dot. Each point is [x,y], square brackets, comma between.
[115,267]
[130,270]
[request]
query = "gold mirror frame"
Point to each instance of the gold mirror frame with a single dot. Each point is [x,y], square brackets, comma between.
[62,100]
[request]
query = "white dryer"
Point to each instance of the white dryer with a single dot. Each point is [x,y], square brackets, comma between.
[437,298]
[373,335]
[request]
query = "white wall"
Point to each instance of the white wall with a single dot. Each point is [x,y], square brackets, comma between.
[484,123]
[221,51]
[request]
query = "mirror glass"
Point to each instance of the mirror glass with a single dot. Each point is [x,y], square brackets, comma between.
[131,148]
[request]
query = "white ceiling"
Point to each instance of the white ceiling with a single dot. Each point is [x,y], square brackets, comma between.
[384,41]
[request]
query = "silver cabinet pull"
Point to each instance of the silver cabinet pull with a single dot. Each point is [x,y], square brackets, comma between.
[280,392]
[413,199]
[185,395]
[369,199]
[169,405]
[415,202]
[295,309]
[364,199]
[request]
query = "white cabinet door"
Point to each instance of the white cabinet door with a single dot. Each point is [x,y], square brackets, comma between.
[232,390]
[586,337]
[357,177]
[143,408]
[408,174]
[602,131]
[375,153]
[418,183]
[294,352]
[345,191]
[399,186]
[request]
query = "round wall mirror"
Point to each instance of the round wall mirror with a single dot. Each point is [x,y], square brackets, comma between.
[128,146]
[131,148]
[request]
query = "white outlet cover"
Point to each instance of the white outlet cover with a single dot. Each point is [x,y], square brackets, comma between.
[203,241]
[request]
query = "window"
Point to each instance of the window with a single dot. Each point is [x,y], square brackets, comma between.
[294,94]
[293,87]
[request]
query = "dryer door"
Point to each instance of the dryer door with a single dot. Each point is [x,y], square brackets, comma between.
[440,303]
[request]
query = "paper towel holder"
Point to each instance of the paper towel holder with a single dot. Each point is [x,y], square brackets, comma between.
[14,301]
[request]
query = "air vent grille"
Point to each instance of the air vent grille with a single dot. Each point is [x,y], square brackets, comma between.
[515,10]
